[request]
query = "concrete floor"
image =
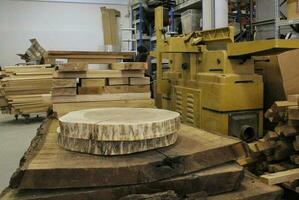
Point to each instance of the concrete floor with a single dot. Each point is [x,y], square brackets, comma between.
[15,137]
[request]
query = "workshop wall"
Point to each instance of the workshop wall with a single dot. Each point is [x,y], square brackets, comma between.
[56,25]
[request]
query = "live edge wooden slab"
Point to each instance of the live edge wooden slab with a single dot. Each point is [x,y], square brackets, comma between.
[47,166]
[215,180]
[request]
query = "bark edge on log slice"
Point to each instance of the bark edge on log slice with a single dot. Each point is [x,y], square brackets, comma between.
[119,124]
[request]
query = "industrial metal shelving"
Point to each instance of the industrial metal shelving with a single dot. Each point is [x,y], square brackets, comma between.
[278,22]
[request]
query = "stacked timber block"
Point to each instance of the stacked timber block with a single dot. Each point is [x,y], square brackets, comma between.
[277,154]
[198,162]
[118,131]
[22,89]
[75,87]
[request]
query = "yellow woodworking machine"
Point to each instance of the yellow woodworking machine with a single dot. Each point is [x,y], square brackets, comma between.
[210,80]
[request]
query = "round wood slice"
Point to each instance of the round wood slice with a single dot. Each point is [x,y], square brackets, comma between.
[114,147]
[119,124]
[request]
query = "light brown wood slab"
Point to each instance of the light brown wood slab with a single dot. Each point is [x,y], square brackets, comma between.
[91,90]
[64,91]
[100,74]
[102,97]
[281,177]
[118,81]
[127,89]
[64,108]
[129,65]
[94,82]
[140,81]
[62,83]
[73,67]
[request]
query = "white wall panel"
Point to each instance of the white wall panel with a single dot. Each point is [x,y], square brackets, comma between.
[57,26]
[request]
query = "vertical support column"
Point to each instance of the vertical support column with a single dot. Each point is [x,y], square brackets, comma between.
[221,13]
[159,13]
[277,18]
[207,14]
[215,14]
[140,27]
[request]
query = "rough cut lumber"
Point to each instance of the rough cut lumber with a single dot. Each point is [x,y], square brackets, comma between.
[119,124]
[64,91]
[281,106]
[64,108]
[24,81]
[64,83]
[127,89]
[281,177]
[288,129]
[90,57]
[251,189]
[91,90]
[293,98]
[73,67]
[49,166]
[293,112]
[118,81]
[129,66]
[140,81]
[94,82]
[215,180]
[100,74]
[101,97]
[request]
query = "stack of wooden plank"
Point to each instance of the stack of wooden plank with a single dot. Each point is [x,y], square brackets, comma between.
[276,156]
[199,162]
[22,89]
[75,87]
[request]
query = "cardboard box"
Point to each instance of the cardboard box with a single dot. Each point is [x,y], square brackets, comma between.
[293,9]
[281,75]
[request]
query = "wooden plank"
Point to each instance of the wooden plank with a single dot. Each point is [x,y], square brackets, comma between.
[281,177]
[251,189]
[293,97]
[127,89]
[219,179]
[293,112]
[90,57]
[140,81]
[102,97]
[288,129]
[93,82]
[118,81]
[64,91]
[73,67]
[63,108]
[196,150]
[64,82]
[100,74]
[90,90]
[129,66]
[296,143]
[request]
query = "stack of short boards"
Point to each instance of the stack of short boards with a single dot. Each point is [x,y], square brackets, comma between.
[276,155]
[75,87]
[22,88]
[197,162]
